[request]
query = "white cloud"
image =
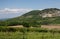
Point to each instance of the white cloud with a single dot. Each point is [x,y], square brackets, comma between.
[40,9]
[8,10]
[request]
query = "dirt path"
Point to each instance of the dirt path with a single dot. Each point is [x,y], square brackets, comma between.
[17,26]
[51,26]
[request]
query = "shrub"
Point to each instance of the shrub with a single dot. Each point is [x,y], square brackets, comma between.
[25,24]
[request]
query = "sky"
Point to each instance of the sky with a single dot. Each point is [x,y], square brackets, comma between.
[14,8]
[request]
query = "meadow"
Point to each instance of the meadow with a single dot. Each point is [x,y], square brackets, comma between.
[28,33]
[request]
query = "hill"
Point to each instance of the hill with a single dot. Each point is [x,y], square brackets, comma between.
[36,17]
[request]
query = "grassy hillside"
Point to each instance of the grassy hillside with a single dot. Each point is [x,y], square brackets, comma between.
[35,17]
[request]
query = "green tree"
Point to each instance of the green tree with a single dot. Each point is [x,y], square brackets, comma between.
[25,24]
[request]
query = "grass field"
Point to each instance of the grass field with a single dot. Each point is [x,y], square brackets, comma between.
[29,35]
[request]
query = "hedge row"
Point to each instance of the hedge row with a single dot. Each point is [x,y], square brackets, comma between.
[7,29]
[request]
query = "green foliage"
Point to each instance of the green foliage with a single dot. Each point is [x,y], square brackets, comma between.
[2,23]
[46,22]
[29,35]
[25,24]
[33,12]
[34,29]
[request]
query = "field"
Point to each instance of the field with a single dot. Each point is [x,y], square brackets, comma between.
[19,32]
[51,26]
[29,35]
[42,26]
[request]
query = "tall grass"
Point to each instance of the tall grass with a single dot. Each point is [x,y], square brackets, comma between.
[28,33]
